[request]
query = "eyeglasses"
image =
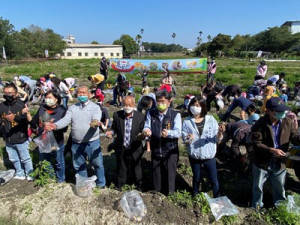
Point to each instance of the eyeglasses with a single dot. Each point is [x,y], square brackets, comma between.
[9,93]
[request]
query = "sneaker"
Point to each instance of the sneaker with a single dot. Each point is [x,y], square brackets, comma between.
[20,177]
[30,178]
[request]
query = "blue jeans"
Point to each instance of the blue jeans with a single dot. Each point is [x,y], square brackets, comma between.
[60,162]
[92,150]
[211,168]
[18,154]
[277,179]
[65,102]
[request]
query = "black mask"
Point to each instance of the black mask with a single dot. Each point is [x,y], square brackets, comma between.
[9,98]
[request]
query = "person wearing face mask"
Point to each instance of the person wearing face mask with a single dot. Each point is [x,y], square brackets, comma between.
[163,126]
[54,112]
[271,136]
[128,125]
[84,117]
[200,134]
[14,126]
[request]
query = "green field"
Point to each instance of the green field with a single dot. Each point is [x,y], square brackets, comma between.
[229,71]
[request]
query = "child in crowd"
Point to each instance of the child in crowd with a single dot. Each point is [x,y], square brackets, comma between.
[252,115]
[145,89]
[283,96]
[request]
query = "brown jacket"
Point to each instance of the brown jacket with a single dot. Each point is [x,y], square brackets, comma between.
[262,137]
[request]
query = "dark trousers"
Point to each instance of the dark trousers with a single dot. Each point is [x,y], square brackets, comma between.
[126,164]
[258,77]
[164,172]
[210,98]
[211,168]
[101,85]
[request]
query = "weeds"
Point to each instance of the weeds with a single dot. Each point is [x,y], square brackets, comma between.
[200,201]
[227,220]
[281,216]
[27,209]
[43,174]
[186,170]
[181,198]
[128,187]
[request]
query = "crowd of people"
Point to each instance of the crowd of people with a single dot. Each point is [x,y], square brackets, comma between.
[265,125]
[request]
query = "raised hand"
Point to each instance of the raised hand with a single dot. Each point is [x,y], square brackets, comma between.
[25,110]
[109,134]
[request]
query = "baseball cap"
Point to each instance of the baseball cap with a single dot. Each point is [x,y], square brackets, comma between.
[276,104]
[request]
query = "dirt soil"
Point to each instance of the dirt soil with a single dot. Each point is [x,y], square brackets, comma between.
[22,202]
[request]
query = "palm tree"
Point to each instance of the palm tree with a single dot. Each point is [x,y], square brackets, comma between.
[199,39]
[138,38]
[142,31]
[209,38]
[173,36]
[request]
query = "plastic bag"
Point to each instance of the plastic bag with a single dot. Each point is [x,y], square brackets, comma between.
[293,204]
[46,142]
[221,206]
[6,176]
[133,206]
[84,185]
[220,102]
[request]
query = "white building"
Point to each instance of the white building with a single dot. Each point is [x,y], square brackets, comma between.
[88,51]
[294,26]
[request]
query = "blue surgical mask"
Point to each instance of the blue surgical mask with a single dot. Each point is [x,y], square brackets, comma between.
[280,115]
[82,99]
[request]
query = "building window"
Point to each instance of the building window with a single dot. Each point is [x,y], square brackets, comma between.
[118,54]
[69,54]
[79,54]
[96,53]
[86,54]
[112,54]
[102,54]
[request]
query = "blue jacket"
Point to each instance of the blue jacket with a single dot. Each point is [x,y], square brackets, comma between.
[204,147]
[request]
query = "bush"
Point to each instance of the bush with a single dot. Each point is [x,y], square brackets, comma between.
[43,174]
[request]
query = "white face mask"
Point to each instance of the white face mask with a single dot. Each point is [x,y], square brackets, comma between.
[195,110]
[128,110]
[50,102]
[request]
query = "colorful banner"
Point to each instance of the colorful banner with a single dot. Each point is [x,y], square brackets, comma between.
[180,65]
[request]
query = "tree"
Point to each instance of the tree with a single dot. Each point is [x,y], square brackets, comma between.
[33,42]
[95,43]
[160,47]
[199,39]
[209,38]
[138,38]
[173,36]
[219,44]
[142,31]
[6,40]
[275,39]
[128,43]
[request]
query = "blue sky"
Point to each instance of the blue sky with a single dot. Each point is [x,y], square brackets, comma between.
[106,21]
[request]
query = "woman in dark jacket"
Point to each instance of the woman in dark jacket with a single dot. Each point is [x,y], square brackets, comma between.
[52,110]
